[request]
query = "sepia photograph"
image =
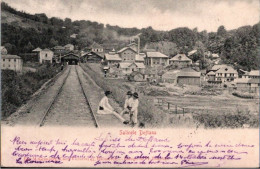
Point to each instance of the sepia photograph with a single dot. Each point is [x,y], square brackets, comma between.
[134,67]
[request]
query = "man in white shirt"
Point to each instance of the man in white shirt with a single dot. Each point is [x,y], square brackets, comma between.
[134,110]
[106,108]
[128,101]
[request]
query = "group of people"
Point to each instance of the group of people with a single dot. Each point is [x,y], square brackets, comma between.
[130,107]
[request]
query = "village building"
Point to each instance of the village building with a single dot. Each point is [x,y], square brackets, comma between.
[140,58]
[188,78]
[70,58]
[46,55]
[59,50]
[215,56]
[137,77]
[112,58]
[156,59]
[192,52]
[69,47]
[3,50]
[128,67]
[253,74]
[74,35]
[170,76]
[93,57]
[181,60]
[211,76]
[127,54]
[226,74]
[250,85]
[11,62]
[95,47]
[37,50]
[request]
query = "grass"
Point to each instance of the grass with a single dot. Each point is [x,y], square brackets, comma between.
[148,114]
[18,88]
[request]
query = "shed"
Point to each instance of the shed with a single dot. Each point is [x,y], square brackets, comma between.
[188,78]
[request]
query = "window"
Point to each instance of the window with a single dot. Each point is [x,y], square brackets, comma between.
[3,59]
[14,60]
[9,60]
[46,55]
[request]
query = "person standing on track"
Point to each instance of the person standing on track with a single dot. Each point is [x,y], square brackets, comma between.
[134,110]
[127,106]
[106,108]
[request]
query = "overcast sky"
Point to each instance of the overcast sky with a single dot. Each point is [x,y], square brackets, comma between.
[160,14]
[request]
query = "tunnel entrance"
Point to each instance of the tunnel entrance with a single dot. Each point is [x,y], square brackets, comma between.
[70,58]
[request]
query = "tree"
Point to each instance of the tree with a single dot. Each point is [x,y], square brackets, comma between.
[53,42]
[222,31]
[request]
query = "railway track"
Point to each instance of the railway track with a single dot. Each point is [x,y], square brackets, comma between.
[62,108]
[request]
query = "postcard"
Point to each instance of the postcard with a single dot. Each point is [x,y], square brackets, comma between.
[130,83]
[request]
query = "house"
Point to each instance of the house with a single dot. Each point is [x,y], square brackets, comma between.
[170,76]
[134,46]
[95,47]
[253,74]
[248,85]
[59,50]
[180,60]
[70,58]
[94,57]
[112,58]
[69,47]
[156,58]
[137,77]
[3,50]
[211,76]
[127,54]
[46,55]
[226,74]
[188,78]
[74,35]
[128,67]
[11,62]
[37,50]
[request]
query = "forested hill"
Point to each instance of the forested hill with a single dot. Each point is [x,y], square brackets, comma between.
[22,32]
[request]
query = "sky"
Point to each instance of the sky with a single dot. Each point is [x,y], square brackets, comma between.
[160,14]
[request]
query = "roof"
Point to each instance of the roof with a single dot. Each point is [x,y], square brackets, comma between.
[180,57]
[135,73]
[211,73]
[125,48]
[227,69]
[139,57]
[59,47]
[37,50]
[188,74]
[156,55]
[245,81]
[170,74]
[214,55]
[216,67]
[114,57]
[128,64]
[132,44]
[68,45]
[254,73]
[95,45]
[149,50]
[192,52]
[10,57]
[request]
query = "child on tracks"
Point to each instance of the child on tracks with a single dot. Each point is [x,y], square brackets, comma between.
[106,108]
[127,105]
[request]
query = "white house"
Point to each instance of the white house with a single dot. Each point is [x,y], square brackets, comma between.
[11,62]
[46,55]
[128,67]
[156,58]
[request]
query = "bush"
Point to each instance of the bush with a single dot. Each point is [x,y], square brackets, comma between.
[17,89]
[243,95]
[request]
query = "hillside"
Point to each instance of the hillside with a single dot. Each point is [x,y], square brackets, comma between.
[21,32]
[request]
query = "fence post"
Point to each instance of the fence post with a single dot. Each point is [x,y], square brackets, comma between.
[176,109]
[168,106]
[183,111]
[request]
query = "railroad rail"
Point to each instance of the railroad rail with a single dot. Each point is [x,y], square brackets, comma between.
[54,99]
[87,100]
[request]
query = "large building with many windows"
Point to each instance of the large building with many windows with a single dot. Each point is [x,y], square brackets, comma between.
[11,62]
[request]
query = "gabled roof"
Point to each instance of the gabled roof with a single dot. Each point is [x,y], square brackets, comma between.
[216,67]
[95,45]
[139,57]
[112,57]
[192,52]
[100,54]
[211,73]
[180,57]
[135,73]
[37,50]
[10,57]
[125,48]
[170,74]
[68,45]
[188,74]
[156,55]
[254,73]
[128,64]
[227,69]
